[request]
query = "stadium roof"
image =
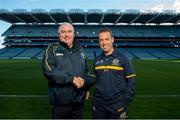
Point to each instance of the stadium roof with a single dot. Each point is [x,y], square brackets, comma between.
[113,16]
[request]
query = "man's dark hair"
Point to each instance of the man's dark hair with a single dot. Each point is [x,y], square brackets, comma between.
[106,30]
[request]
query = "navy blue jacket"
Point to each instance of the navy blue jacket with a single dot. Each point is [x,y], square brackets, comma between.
[60,65]
[114,78]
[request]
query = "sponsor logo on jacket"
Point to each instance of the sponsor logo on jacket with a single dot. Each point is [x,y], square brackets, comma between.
[59,54]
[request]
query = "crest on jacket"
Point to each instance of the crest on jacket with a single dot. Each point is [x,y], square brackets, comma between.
[115,62]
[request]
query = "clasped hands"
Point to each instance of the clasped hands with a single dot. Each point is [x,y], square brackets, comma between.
[78,82]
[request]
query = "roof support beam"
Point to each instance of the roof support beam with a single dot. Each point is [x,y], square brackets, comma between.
[168,19]
[18,18]
[102,18]
[177,21]
[119,18]
[85,18]
[69,17]
[5,20]
[135,18]
[35,18]
[52,18]
[152,18]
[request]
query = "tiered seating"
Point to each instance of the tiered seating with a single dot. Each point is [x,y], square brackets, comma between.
[90,52]
[3,50]
[27,41]
[141,53]
[92,31]
[28,53]
[173,52]
[40,54]
[32,30]
[11,52]
[126,53]
[159,53]
[131,53]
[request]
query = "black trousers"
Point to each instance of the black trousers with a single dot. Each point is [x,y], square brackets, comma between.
[70,111]
[111,111]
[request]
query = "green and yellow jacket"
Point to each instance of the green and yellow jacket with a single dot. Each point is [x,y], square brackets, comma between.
[60,65]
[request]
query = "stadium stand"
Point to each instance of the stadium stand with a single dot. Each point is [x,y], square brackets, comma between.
[28,53]
[141,53]
[11,52]
[138,35]
[160,54]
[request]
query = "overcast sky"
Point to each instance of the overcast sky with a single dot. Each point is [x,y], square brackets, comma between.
[157,5]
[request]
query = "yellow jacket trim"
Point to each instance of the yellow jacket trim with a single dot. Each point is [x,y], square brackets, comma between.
[108,67]
[47,58]
[129,76]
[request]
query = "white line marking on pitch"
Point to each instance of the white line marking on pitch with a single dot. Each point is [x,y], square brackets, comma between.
[25,96]
[46,96]
[157,96]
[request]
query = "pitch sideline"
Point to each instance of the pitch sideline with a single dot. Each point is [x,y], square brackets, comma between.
[46,96]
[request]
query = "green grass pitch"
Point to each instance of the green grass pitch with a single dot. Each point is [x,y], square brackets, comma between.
[157,90]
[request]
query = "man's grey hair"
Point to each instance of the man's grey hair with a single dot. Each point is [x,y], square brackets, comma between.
[64,23]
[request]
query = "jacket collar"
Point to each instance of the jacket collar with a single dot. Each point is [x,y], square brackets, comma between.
[115,53]
[76,45]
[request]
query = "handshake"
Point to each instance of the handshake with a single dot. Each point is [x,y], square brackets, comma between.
[78,82]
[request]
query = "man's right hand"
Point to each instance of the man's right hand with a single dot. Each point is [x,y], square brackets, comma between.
[78,82]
